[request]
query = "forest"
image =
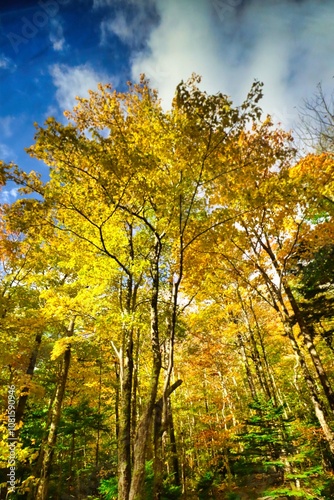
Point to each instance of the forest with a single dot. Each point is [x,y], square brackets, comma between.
[167,303]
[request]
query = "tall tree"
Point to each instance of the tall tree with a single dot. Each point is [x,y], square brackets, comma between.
[165,233]
[137,186]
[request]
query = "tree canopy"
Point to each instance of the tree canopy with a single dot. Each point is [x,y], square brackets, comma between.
[166,304]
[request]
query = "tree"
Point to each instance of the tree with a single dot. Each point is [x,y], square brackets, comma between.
[136,186]
[187,245]
[273,216]
[316,117]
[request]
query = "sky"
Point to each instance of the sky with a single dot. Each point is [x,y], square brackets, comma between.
[54,50]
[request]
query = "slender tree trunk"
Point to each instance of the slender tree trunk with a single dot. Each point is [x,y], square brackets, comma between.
[134,391]
[160,427]
[175,457]
[158,452]
[247,367]
[304,329]
[48,446]
[184,468]
[258,366]
[97,448]
[144,425]
[124,423]
[70,481]
[317,404]
[29,373]
[125,398]
[117,401]
[164,417]
[140,446]
[256,354]
[308,340]
[276,396]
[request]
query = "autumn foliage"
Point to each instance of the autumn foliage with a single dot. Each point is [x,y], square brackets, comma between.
[165,316]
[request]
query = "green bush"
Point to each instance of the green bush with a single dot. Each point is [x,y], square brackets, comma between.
[109,488]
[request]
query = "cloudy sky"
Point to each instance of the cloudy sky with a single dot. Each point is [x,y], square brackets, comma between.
[53,50]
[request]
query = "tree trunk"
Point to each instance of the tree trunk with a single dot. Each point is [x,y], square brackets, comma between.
[160,427]
[258,365]
[276,396]
[162,406]
[256,354]
[25,389]
[304,329]
[125,397]
[98,434]
[307,336]
[71,461]
[45,459]
[124,424]
[158,452]
[134,391]
[117,391]
[144,425]
[175,458]
[247,367]
[317,404]
[140,447]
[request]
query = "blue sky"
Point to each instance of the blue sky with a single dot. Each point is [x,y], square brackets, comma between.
[53,50]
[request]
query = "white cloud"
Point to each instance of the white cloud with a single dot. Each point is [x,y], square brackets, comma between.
[179,46]
[6,153]
[52,111]
[7,195]
[75,81]
[57,35]
[4,196]
[6,63]
[287,45]
[131,22]
[118,26]
[6,125]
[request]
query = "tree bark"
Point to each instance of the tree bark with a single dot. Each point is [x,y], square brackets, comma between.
[160,427]
[134,410]
[98,434]
[124,424]
[125,394]
[144,425]
[175,457]
[261,374]
[317,404]
[304,329]
[247,367]
[25,389]
[308,341]
[46,455]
